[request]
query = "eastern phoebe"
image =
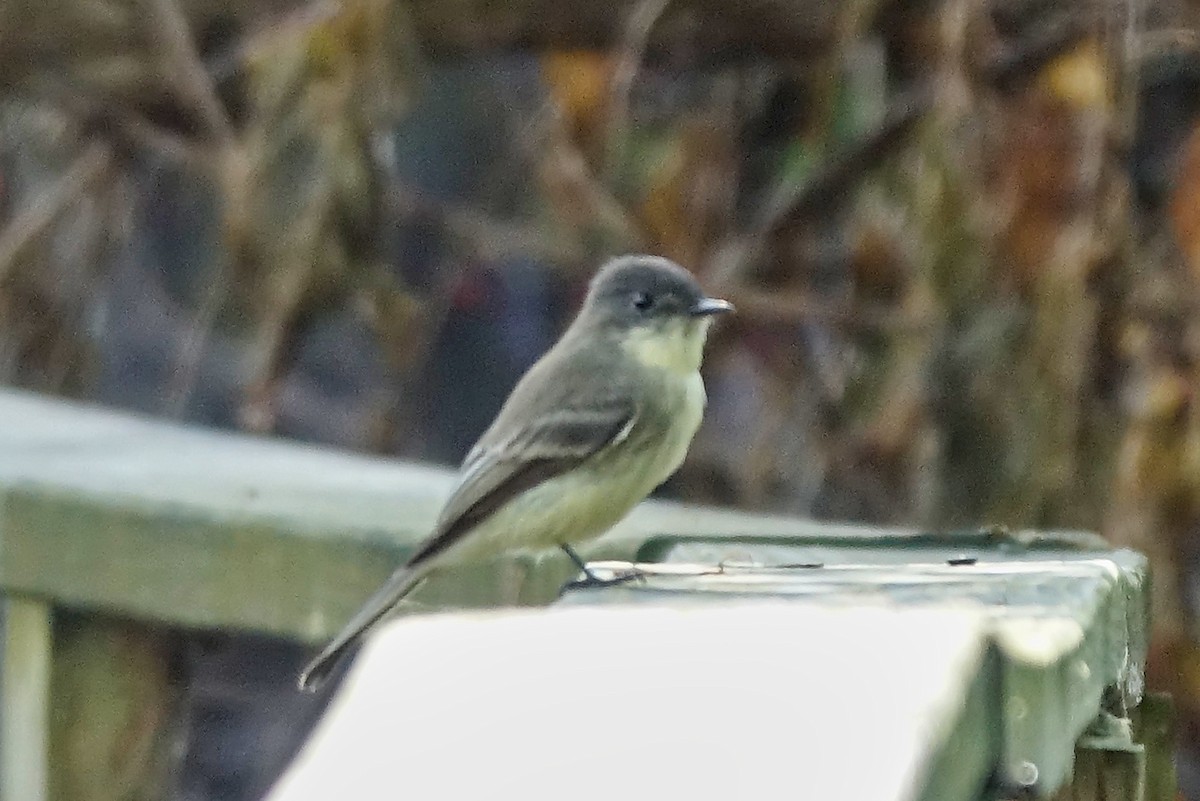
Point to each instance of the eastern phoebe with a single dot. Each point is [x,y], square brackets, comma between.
[603,418]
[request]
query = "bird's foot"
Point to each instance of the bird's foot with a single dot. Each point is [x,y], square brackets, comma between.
[590,580]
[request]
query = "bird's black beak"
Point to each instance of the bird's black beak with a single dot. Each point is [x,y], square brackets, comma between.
[706,307]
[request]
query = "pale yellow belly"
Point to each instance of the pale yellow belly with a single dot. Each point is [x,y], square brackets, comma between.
[587,502]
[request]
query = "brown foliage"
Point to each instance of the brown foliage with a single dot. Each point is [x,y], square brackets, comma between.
[949,313]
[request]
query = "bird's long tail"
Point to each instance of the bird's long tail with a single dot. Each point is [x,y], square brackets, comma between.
[401,583]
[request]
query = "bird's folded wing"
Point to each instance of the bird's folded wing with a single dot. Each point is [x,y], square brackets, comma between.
[495,472]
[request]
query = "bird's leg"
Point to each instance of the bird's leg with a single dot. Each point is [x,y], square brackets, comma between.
[579,563]
[591,579]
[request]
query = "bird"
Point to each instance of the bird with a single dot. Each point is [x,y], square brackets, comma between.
[595,425]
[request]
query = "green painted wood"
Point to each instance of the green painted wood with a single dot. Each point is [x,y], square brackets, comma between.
[24,700]
[970,745]
[1102,775]
[182,567]
[112,515]
[1154,725]
[197,528]
[1068,622]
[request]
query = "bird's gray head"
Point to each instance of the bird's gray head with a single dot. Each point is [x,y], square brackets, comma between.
[656,309]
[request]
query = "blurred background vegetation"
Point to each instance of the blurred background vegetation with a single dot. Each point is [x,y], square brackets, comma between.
[963,237]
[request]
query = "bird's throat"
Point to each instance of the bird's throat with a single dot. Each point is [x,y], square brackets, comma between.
[677,346]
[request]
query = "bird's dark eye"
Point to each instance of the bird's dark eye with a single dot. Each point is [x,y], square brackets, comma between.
[643,301]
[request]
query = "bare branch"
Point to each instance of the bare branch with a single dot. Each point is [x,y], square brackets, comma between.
[289,23]
[633,49]
[491,236]
[1166,40]
[137,131]
[829,186]
[46,207]
[1010,68]
[825,190]
[183,62]
[559,154]
[124,127]
[787,308]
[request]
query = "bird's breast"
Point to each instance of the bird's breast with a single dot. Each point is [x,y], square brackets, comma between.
[673,415]
[587,501]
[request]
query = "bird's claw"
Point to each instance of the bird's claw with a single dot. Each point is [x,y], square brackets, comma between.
[590,580]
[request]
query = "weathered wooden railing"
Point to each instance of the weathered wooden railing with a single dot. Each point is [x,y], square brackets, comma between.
[116,531]
[117,534]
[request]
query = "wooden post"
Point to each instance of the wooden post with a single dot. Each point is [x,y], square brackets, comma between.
[24,700]
[1154,723]
[1109,764]
[1102,775]
[115,714]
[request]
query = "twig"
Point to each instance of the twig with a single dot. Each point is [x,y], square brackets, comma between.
[826,190]
[123,127]
[46,207]
[493,236]
[138,131]
[633,48]
[788,308]
[828,186]
[232,60]
[1166,40]
[1013,67]
[183,61]
[195,337]
[570,164]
